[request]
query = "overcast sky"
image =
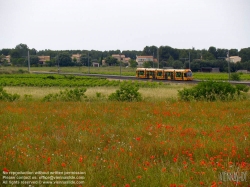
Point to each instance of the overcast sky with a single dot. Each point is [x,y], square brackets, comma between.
[124,24]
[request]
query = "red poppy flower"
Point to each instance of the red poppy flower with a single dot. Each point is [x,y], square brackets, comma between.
[6,170]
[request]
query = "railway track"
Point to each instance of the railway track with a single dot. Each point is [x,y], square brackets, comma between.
[118,77]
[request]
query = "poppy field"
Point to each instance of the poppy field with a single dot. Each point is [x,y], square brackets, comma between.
[149,143]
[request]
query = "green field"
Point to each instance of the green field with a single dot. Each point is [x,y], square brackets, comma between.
[115,70]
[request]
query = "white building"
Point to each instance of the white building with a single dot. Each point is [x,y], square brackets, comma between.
[141,59]
[234,59]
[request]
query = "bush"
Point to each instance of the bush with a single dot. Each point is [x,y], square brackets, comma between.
[67,95]
[51,77]
[235,76]
[212,91]
[242,87]
[4,96]
[127,92]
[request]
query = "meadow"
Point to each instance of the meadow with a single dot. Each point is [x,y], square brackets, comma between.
[160,141]
[115,70]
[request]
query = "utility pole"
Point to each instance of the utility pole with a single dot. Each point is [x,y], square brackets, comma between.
[189,61]
[28,61]
[153,59]
[228,66]
[227,57]
[186,59]
[120,66]
[88,62]
[158,57]
[58,64]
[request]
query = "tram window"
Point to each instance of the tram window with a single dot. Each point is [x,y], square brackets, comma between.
[185,74]
[189,74]
[141,72]
[159,73]
[167,74]
[178,74]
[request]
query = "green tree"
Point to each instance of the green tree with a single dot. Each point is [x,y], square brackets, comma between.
[170,59]
[33,51]
[222,52]
[206,55]
[34,60]
[15,54]
[74,60]
[213,51]
[22,49]
[84,60]
[5,52]
[150,51]
[64,59]
[234,52]
[148,64]
[245,54]
[111,61]
[165,52]
[133,63]
[177,64]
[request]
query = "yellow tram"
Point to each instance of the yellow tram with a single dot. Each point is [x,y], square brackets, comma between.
[164,74]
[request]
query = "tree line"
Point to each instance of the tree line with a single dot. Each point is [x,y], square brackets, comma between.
[168,57]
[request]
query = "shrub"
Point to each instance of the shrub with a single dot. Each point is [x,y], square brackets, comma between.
[66,95]
[235,76]
[4,96]
[127,92]
[27,97]
[241,87]
[51,77]
[212,91]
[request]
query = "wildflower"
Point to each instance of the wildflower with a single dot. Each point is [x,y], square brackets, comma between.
[175,160]
[163,169]
[243,164]
[139,177]
[48,160]
[230,163]
[63,164]
[214,184]
[80,159]
[127,185]
[138,138]
[6,170]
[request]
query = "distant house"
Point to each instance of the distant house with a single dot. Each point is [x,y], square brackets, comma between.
[121,57]
[95,63]
[7,58]
[43,59]
[206,69]
[77,57]
[210,69]
[234,59]
[141,59]
[243,71]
